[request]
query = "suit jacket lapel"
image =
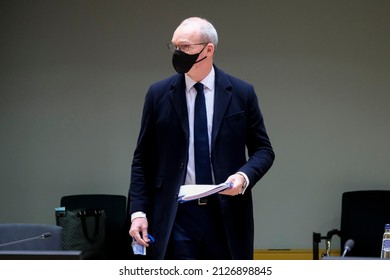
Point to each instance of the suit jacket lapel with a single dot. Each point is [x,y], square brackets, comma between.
[179,103]
[222,99]
[221,102]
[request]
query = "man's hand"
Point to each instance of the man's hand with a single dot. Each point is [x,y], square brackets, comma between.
[139,231]
[238,182]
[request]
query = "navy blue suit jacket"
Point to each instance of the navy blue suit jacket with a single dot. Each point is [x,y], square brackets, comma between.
[161,156]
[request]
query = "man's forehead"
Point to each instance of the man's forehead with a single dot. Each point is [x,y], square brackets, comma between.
[186,33]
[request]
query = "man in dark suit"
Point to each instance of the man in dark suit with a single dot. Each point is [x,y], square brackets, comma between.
[220,226]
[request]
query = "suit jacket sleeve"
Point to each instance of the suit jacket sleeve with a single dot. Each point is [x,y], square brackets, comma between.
[143,161]
[260,151]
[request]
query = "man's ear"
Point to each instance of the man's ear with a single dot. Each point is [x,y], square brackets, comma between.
[210,48]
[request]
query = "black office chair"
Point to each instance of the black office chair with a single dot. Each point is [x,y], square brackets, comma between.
[363,216]
[30,237]
[117,238]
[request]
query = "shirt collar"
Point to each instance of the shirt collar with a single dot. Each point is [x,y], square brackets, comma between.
[208,81]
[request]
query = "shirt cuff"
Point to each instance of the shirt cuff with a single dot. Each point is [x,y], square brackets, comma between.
[138,214]
[246,183]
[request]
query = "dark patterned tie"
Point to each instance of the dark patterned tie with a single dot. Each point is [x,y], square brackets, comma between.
[201,139]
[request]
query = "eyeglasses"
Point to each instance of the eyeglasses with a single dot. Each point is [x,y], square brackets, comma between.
[183,47]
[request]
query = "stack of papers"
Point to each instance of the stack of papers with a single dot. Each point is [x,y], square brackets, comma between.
[191,192]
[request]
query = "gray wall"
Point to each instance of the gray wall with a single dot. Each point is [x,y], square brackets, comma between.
[73,75]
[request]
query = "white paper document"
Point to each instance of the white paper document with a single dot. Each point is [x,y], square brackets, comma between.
[191,192]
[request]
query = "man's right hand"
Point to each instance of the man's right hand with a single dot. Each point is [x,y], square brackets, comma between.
[139,231]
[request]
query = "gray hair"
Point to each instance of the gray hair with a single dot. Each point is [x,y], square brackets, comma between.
[208,32]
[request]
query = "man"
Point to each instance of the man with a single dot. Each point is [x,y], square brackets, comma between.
[220,226]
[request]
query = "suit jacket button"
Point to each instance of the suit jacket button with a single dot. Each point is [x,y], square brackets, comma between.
[182,165]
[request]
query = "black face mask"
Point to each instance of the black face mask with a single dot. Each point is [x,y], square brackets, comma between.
[183,62]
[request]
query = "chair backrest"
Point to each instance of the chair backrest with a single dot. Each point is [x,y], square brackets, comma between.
[28,237]
[116,219]
[363,216]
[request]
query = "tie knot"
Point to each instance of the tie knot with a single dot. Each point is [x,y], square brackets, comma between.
[198,87]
